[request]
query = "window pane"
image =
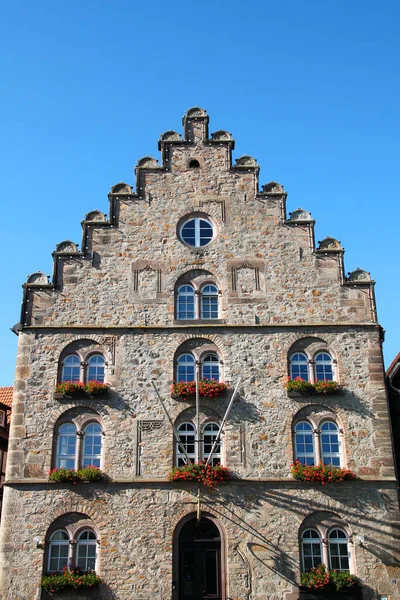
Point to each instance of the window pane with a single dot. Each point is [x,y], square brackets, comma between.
[186,432]
[197,232]
[186,368]
[304,443]
[209,302]
[330,444]
[299,366]
[96,368]
[323,367]
[338,550]
[311,549]
[210,433]
[92,445]
[71,369]
[210,367]
[185,303]
[66,446]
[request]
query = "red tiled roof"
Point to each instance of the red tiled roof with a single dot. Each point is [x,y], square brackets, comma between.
[393,364]
[6,394]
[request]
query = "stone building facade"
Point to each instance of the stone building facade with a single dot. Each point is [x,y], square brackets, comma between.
[198,268]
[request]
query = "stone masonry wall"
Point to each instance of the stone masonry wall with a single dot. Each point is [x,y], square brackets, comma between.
[117,295]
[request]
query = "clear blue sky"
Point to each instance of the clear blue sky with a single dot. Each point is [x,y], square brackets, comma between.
[308,87]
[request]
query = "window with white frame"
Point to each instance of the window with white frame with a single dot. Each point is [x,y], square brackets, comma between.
[210,367]
[186,368]
[83,365]
[78,449]
[188,437]
[67,549]
[299,366]
[318,445]
[209,301]
[311,549]
[326,545]
[312,369]
[196,303]
[86,551]
[96,368]
[304,443]
[58,551]
[197,232]
[339,550]
[71,368]
[323,368]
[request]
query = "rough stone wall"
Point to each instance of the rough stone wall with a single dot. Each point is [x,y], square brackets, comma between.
[276,289]
[136,525]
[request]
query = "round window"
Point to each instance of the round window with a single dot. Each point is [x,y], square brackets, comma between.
[197,232]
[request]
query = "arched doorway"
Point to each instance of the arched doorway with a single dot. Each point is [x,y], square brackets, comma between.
[200,561]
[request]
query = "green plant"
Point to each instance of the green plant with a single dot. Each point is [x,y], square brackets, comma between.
[91,388]
[207,387]
[342,580]
[69,579]
[316,578]
[63,475]
[299,385]
[321,473]
[319,578]
[327,387]
[89,473]
[210,476]
[324,386]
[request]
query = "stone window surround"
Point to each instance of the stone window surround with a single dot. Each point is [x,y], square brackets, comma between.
[84,354]
[311,353]
[73,530]
[196,214]
[208,421]
[324,529]
[80,422]
[316,421]
[198,297]
[189,416]
[199,354]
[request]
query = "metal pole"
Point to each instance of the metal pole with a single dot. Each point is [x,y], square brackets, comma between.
[223,421]
[199,453]
[178,439]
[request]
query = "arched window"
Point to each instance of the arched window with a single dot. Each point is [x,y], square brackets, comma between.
[211,367]
[299,366]
[66,446]
[311,549]
[187,435]
[304,443]
[185,368]
[96,368]
[58,551]
[194,164]
[209,302]
[87,551]
[71,368]
[330,448]
[339,550]
[185,302]
[210,433]
[92,442]
[197,232]
[323,367]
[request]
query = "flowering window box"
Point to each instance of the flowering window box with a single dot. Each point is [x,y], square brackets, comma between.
[209,476]
[71,389]
[299,386]
[321,584]
[68,581]
[320,473]
[87,474]
[208,388]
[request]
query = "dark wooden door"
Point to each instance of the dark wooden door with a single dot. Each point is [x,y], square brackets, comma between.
[200,561]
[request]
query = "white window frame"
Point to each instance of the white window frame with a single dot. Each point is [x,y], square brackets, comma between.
[91,542]
[197,236]
[184,294]
[58,543]
[338,542]
[311,541]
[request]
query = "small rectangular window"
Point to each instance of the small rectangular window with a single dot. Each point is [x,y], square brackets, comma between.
[2,418]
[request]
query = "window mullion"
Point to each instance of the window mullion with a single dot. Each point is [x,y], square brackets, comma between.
[197,233]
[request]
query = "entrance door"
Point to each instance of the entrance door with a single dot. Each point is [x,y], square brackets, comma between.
[199,561]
